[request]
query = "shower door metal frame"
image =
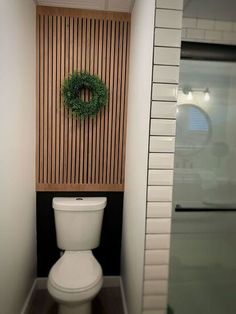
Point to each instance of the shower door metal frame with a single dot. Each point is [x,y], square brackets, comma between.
[206,52]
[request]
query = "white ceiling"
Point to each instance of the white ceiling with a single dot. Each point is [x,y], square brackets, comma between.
[211,9]
[107,5]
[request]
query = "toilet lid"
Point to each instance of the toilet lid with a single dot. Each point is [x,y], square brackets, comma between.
[76,271]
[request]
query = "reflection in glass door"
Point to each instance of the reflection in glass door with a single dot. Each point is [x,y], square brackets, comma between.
[203,240]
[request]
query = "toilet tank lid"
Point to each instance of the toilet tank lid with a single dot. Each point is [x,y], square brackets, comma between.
[79,203]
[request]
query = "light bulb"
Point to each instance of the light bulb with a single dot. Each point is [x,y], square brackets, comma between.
[190,95]
[206,95]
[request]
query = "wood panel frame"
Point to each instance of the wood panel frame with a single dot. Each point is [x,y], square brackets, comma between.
[74,154]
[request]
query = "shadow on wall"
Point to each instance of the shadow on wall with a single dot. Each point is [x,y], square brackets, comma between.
[107,254]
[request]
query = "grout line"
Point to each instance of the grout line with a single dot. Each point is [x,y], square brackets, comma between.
[168,9]
[171,119]
[164,27]
[166,83]
[166,65]
[169,101]
[161,46]
[162,135]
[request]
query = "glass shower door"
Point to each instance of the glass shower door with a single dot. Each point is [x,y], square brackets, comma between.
[203,240]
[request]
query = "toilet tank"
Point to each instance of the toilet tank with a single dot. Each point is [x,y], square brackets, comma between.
[78,222]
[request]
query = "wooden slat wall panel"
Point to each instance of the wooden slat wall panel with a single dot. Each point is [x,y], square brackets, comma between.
[74,154]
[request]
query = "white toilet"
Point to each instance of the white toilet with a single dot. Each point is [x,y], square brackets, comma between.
[76,278]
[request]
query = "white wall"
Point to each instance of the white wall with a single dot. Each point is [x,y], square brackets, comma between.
[141,50]
[17,157]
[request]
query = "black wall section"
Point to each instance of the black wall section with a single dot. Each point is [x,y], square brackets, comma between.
[108,253]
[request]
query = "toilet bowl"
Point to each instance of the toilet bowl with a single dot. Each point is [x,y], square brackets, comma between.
[74,280]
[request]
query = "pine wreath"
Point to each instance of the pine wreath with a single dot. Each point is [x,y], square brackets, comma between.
[71,92]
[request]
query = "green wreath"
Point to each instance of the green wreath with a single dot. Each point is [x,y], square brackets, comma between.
[71,92]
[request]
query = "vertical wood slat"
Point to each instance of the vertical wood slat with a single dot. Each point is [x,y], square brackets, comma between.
[70,121]
[90,121]
[74,154]
[49,105]
[111,99]
[118,108]
[58,98]
[96,122]
[107,67]
[125,95]
[54,96]
[78,142]
[85,122]
[99,72]
[123,102]
[62,109]
[114,117]
[74,133]
[37,98]
[103,75]
[41,101]
[66,127]
[45,94]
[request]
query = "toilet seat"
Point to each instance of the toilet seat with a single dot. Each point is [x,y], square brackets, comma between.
[75,277]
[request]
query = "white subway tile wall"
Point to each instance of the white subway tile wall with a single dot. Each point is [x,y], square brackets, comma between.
[229,37]
[165,81]
[205,24]
[166,110]
[166,56]
[189,22]
[209,31]
[159,144]
[155,302]
[158,225]
[160,177]
[167,37]
[156,272]
[223,26]
[195,33]
[159,210]
[169,4]
[155,286]
[163,127]
[157,257]
[168,18]
[213,35]
[166,74]
[158,193]
[161,161]
[157,241]
[164,92]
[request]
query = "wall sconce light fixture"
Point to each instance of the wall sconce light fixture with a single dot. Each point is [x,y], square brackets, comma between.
[207,95]
[190,95]
[188,92]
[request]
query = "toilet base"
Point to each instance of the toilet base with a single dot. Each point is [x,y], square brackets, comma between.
[83,308]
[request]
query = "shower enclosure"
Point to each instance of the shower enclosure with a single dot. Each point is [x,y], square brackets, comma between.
[203,241]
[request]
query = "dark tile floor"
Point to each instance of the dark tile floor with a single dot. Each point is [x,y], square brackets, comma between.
[108,301]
